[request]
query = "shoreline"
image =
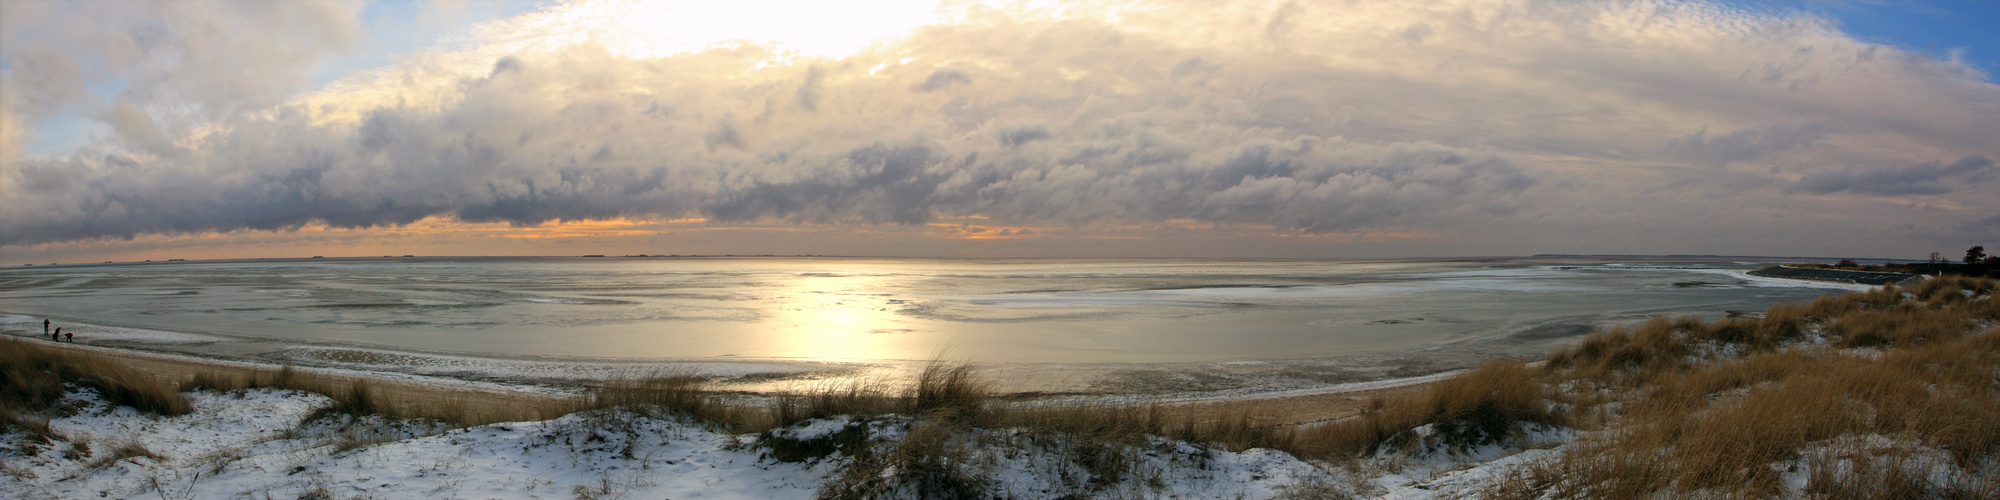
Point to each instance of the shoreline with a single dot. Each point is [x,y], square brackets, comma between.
[1271,408]
[1178,382]
[1279,391]
[1292,391]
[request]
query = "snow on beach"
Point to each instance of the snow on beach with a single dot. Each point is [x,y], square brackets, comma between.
[246,444]
[250,443]
[265,443]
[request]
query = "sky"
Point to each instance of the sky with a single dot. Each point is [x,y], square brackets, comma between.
[195,129]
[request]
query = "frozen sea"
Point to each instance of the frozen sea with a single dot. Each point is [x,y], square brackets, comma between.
[1314,321]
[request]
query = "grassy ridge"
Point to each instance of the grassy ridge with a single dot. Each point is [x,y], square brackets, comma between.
[357,396]
[33,378]
[1884,394]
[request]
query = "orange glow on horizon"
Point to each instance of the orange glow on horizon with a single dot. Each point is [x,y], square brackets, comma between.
[449,236]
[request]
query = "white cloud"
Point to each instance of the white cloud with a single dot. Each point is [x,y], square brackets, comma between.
[1471,116]
[188,62]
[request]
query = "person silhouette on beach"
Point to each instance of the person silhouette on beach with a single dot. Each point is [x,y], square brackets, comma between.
[71,337]
[45,326]
[58,335]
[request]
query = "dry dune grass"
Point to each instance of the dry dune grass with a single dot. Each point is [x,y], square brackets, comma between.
[936,454]
[944,393]
[1485,405]
[941,391]
[830,400]
[940,410]
[34,374]
[32,377]
[1736,408]
[948,392]
[360,396]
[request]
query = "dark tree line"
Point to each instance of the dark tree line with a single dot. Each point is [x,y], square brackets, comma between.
[1975,263]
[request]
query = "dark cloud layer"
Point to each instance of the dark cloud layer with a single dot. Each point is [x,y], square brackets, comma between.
[1933,177]
[1747,144]
[1989,226]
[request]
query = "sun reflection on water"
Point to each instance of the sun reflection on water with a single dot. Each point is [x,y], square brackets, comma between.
[839,316]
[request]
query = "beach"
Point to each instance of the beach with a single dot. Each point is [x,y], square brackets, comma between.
[353,421]
[1151,329]
[1437,303]
[533,385]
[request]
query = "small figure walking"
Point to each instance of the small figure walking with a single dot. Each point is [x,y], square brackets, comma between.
[71,337]
[58,335]
[45,326]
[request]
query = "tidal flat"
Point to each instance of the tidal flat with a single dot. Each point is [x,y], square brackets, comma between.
[1154,328]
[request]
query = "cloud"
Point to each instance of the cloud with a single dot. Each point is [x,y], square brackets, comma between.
[1020,133]
[943,77]
[1746,144]
[1928,178]
[186,62]
[1986,226]
[809,91]
[1495,118]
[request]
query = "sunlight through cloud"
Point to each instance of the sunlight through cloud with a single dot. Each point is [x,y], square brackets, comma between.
[812,29]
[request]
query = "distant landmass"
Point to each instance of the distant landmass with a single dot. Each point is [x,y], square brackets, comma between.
[1837,275]
[1706,256]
